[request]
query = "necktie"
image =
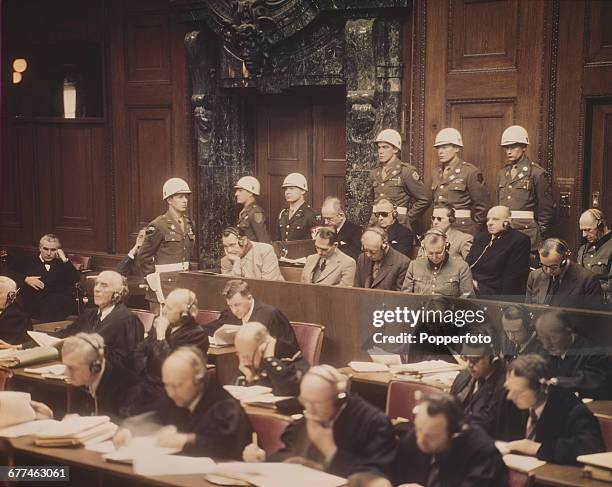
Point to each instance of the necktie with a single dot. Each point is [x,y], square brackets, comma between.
[553,288]
[531,424]
[513,171]
[97,322]
[447,171]
[433,478]
[320,267]
[375,269]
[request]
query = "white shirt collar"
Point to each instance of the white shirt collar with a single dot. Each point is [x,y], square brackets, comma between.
[106,312]
[195,402]
[246,318]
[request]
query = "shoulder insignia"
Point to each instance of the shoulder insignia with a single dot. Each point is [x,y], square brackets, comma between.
[258,217]
[415,176]
[150,229]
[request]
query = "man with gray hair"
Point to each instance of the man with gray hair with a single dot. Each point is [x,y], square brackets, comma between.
[47,281]
[561,282]
[109,384]
[120,328]
[348,233]
[596,253]
[14,322]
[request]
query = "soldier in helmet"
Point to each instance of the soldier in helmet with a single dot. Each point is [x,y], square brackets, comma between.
[168,244]
[459,183]
[397,181]
[251,219]
[295,222]
[522,186]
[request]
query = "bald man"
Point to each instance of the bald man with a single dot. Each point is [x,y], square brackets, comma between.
[340,432]
[14,322]
[348,233]
[258,353]
[174,328]
[200,417]
[380,266]
[499,258]
[120,328]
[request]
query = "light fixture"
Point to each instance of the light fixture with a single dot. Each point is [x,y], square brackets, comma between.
[16,77]
[20,65]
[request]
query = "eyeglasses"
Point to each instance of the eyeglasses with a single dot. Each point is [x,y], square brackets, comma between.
[552,267]
[383,214]
[437,218]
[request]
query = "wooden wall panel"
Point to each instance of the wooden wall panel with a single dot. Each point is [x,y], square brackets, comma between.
[148,48]
[599,35]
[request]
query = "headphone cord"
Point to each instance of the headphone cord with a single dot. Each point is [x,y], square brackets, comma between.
[489,245]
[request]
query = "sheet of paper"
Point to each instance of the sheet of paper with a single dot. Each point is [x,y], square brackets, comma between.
[73,426]
[43,339]
[522,463]
[368,367]
[602,460]
[56,369]
[386,358]
[243,393]
[172,465]
[427,367]
[15,408]
[26,429]
[226,334]
[279,475]
[503,447]
[138,446]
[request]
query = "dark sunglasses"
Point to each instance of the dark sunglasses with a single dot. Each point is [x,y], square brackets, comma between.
[384,214]
[437,218]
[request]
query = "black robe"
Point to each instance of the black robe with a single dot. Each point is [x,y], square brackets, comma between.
[471,461]
[533,346]
[221,426]
[14,325]
[121,329]
[364,438]
[272,318]
[566,429]
[54,302]
[400,238]
[349,239]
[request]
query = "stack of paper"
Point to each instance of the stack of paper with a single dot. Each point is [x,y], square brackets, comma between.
[278,475]
[255,395]
[56,371]
[426,367]
[522,463]
[21,358]
[368,367]
[224,336]
[76,431]
[151,465]
[597,466]
[138,446]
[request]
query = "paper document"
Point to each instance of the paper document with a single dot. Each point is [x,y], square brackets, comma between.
[73,426]
[43,339]
[426,367]
[48,370]
[368,367]
[26,429]
[603,460]
[301,260]
[279,475]
[152,465]
[522,463]
[225,335]
[138,446]
[15,408]
[246,392]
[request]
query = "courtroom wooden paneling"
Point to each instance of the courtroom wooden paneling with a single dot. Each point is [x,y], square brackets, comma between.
[601,159]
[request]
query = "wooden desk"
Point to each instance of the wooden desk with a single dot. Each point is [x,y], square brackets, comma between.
[92,461]
[564,476]
[601,408]
[226,361]
[51,327]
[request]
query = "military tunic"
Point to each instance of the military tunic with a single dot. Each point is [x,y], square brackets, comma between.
[252,222]
[452,277]
[401,185]
[298,226]
[166,243]
[597,257]
[463,188]
[529,190]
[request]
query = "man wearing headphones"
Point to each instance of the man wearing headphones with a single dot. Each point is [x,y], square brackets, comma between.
[296,221]
[398,235]
[339,433]
[348,233]
[596,253]
[439,449]
[577,364]
[199,416]
[108,383]
[559,427]
[519,337]
[437,272]
[121,329]
[329,265]
[14,322]
[499,258]
[460,242]
[258,353]
[560,282]
[243,258]
[174,328]
[380,266]
[251,219]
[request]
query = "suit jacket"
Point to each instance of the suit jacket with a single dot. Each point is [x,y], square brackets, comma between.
[260,262]
[53,302]
[349,239]
[121,329]
[471,461]
[221,427]
[533,346]
[400,238]
[339,270]
[500,266]
[14,325]
[363,435]
[390,276]
[272,318]
[566,429]
[579,288]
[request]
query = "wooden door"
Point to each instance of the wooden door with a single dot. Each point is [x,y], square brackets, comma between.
[598,191]
[303,133]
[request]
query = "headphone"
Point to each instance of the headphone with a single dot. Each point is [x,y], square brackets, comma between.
[188,311]
[95,365]
[118,296]
[443,404]
[450,212]
[10,298]
[237,233]
[438,233]
[337,380]
[525,315]
[598,216]
[383,235]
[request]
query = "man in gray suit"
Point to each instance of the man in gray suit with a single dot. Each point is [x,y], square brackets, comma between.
[380,266]
[329,265]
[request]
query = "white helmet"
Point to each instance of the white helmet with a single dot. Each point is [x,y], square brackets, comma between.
[175,186]
[249,183]
[448,136]
[297,180]
[514,135]
[390,136]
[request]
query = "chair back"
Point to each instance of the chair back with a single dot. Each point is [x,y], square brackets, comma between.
[310,340]
[80,262]
[145,316]
[269,429]
[520,479]
[400,398]
[205,316]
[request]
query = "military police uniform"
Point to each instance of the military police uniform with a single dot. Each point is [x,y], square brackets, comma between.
[166,250]
[452,277]
[597,257]
[253,223]
[462,186]
[298,226]
[400,183]
[530,198]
